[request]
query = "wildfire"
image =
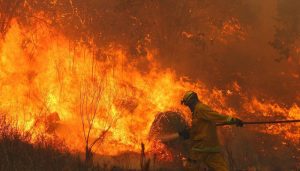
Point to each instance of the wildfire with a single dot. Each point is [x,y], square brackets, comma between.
[51,85]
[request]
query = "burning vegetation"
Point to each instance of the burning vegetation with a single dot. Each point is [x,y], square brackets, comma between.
[97,77]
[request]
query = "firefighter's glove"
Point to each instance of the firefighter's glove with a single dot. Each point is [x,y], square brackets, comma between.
[184,134]
[237,122]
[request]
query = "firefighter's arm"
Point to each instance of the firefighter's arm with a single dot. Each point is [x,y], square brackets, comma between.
[211,115]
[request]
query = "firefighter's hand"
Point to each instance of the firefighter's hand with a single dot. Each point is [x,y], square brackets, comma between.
[237,122]
[184,134]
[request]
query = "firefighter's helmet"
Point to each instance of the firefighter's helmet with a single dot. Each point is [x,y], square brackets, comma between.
[189,97]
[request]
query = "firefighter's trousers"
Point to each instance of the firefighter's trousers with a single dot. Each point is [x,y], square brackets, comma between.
[214,161]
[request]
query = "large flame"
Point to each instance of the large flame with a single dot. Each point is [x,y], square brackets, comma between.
[50,85]
[46,85]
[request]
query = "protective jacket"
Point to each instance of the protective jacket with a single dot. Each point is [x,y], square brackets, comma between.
[203,133]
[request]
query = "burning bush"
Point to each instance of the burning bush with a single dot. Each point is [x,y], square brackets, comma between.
[165,123]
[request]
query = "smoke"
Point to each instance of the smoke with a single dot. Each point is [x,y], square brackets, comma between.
[254,43]
[217,42]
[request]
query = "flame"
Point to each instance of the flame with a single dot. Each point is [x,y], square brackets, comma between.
[230,31]
[52,85]
[44,88]
[161,151]
[273,111]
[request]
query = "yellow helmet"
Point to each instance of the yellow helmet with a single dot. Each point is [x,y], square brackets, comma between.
[188,97]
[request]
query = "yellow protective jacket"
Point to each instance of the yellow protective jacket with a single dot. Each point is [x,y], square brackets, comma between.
[203,133]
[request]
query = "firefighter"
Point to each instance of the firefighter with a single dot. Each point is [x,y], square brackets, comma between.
[204,146]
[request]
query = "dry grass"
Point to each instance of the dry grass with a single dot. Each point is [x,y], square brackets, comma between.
[17,153]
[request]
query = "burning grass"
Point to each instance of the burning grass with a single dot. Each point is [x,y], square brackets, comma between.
[18,153]
[19,150]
